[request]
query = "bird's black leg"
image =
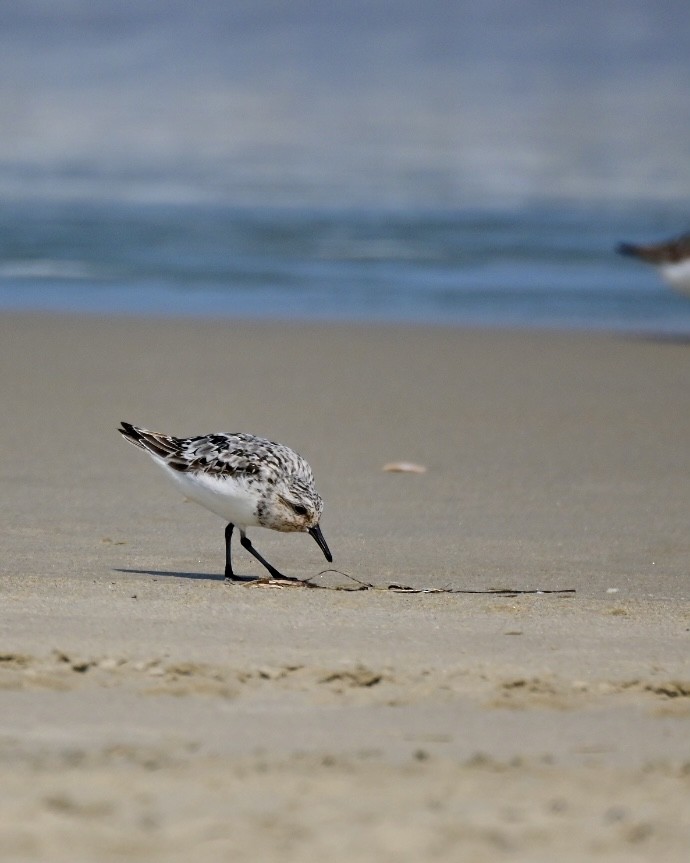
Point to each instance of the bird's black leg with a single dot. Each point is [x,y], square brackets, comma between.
[246,543]
[229,574]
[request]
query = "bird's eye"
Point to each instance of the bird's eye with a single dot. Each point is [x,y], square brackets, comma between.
[299,509]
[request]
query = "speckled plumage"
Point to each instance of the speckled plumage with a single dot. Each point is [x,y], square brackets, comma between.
[671,259]
[669,252]
[244,479]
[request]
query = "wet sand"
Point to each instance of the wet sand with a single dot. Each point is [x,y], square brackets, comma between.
[149,711]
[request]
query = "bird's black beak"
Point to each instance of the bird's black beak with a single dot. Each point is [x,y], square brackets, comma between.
[321,542]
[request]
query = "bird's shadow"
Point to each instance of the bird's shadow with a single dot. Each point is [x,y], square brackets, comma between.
[195,576]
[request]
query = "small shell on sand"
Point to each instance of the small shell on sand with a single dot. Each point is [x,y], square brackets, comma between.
[404,467]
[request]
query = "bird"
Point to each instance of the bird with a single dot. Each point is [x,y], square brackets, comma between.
[246,480]
[671,259]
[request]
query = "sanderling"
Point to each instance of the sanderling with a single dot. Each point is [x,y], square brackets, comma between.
[672,259]
[244,479]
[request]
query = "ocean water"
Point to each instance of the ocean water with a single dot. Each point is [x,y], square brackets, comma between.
[469,163]
[549,267]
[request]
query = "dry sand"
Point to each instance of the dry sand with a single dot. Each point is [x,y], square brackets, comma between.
[150,712]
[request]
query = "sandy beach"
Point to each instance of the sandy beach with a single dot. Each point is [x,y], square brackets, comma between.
[149,711]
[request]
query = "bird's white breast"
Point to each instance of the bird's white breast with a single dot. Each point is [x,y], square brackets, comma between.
[232,500]
[677,275]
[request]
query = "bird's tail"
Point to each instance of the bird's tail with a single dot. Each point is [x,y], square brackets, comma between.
[157,444]
[630,250]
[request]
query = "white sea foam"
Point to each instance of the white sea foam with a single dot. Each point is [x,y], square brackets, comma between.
[47,268]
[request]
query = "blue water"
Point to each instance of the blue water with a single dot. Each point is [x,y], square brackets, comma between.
[468,163]
[540,268]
